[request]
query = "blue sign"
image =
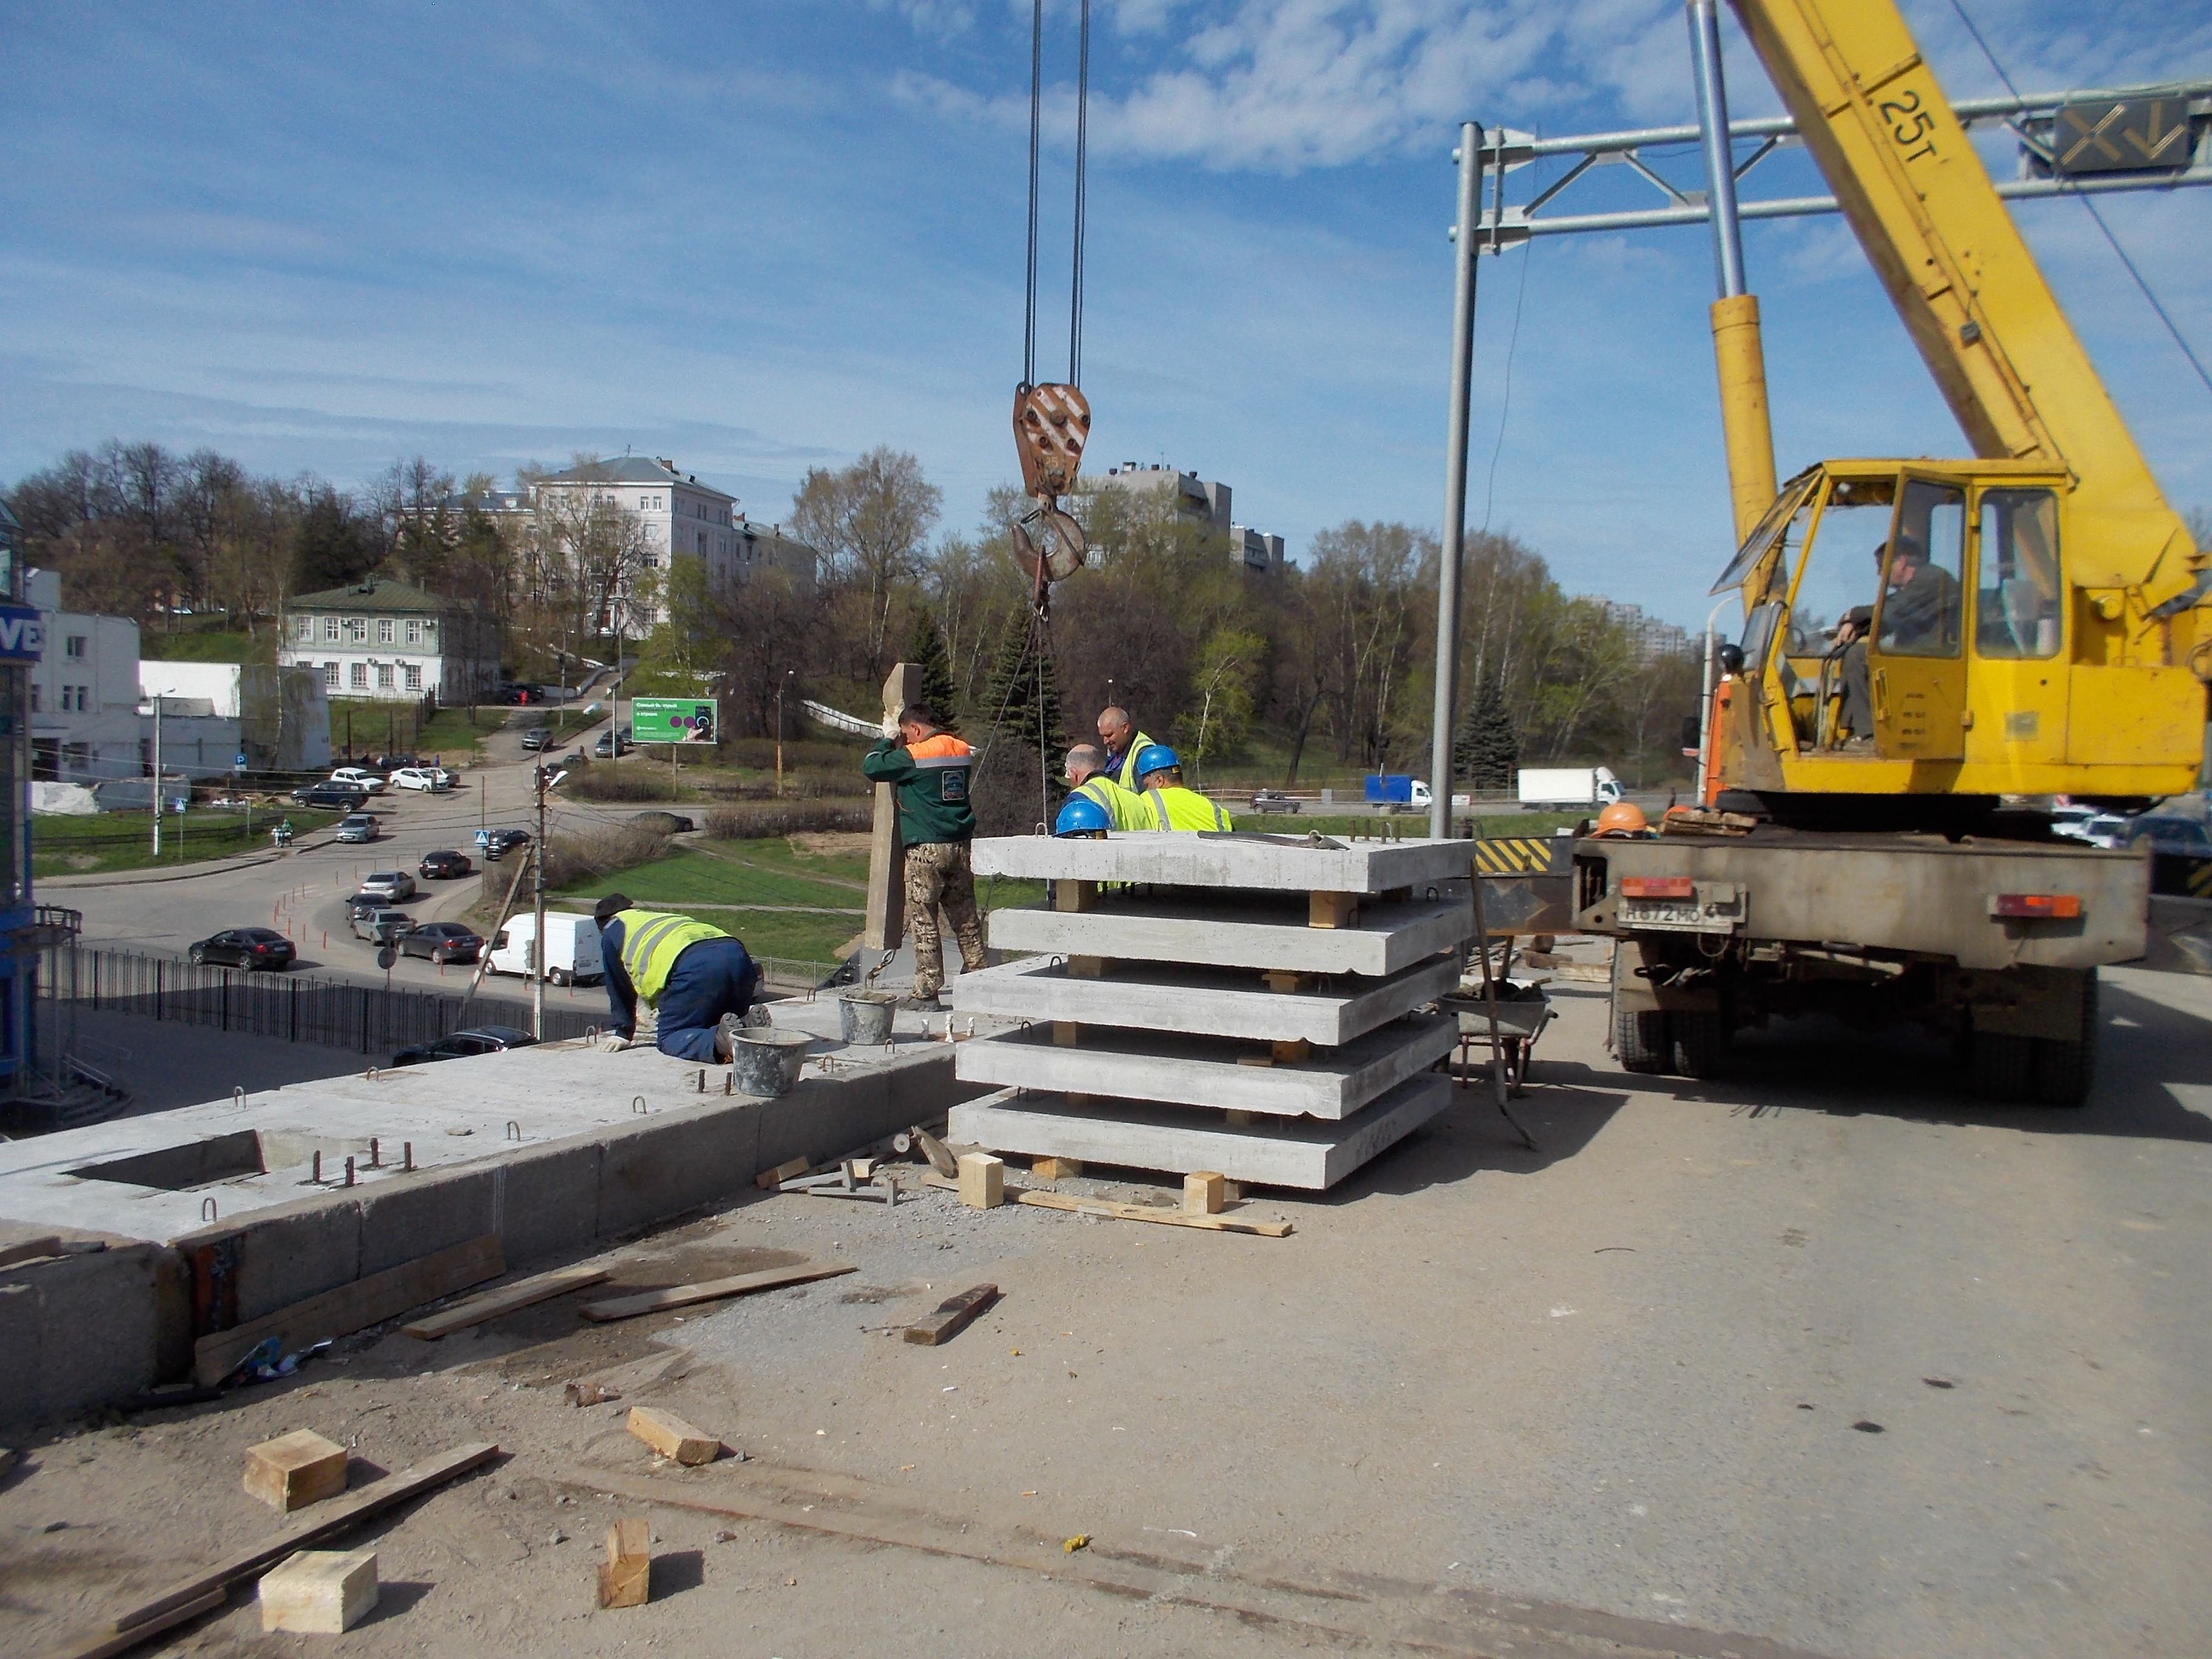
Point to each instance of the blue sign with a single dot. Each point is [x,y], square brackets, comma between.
[22,637]
[238,762]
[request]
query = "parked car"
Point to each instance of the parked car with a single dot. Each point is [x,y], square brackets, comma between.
[498,843]
[460,1045]
[1273,800]
[2171,833]
[391,885]
[2086,823]
[670,824]
[538,736]
[357,827]
[442,941]
[361,778]
[613,741]
[382,926]
[446,865]
[331,797]
[436,778]
[246,947]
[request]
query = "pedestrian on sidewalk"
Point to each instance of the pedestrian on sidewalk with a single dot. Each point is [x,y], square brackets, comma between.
[698,980]
[928,770]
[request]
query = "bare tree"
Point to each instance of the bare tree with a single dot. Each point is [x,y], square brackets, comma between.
[871,523]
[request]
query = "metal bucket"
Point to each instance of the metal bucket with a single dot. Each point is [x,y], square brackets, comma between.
[767,1062]
[865,1017]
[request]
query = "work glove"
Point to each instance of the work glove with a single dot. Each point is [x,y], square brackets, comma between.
[613,1042]
[890,725]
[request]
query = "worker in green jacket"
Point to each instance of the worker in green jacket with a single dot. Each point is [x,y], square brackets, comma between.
[1160,786]
[928,769]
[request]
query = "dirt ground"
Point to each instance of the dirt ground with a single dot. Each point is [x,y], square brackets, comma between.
[1825,1360]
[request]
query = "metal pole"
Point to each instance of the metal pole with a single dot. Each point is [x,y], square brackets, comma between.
[1466,247]
[157,774]
[1720,161]
[537,949]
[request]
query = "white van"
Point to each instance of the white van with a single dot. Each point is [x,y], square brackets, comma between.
[572,949]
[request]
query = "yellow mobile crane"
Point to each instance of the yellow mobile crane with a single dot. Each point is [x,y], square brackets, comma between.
[1921,637]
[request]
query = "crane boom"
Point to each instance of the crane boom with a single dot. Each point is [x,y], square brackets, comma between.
[1962,280]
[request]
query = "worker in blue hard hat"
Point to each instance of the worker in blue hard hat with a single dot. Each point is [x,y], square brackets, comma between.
[1079,815]
[1089,773]
[1159,782]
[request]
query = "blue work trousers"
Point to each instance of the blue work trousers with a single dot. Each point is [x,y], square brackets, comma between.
[711,978]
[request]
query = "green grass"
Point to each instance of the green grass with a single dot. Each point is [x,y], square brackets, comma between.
[450,733]
[66,845]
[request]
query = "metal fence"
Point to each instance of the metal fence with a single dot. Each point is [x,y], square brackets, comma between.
[294,1007]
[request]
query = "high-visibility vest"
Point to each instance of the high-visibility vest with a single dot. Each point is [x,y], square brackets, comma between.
[1174,807]
[1121,767]
[1125,809]
[652,940]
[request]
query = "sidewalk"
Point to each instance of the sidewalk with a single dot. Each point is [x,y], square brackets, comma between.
[183,871]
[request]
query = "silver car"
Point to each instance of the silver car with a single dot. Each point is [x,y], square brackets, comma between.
[393,885]
[357,827]
[382,926]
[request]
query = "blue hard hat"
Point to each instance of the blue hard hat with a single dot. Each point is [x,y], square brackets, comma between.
[1081,816]
[1154,757]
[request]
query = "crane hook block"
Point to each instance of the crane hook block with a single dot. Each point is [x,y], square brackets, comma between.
[1051,423]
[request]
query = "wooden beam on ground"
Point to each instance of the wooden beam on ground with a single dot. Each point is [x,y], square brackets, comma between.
[294,1470]
[505,1300]
[951,1316]
[770,1180]
[354,1307]
[626,1576]
[673,1437]
[208,1589]
[1100,1207]
[710,1289]
[29,1250]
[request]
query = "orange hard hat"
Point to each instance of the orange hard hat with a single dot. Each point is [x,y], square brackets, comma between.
[1623,819]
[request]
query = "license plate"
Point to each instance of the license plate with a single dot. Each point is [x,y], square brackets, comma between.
[1659,913]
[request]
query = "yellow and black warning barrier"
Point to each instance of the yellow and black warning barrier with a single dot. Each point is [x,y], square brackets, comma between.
[1523,855]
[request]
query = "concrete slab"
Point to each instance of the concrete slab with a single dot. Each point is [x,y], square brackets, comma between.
[1243,859]
[1331,1083]
[1231,931]
[1217,1002]
[1309,1155]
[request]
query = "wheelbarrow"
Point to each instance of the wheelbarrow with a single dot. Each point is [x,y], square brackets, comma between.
[1523,1012]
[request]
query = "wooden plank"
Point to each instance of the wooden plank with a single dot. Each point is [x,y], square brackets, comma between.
[951,1316]
[626,1576]
[211,1587]
[352,1307]
[320,1592]
[767,1180]
[673,1437]
[1100,1207]
[710,1289]
[938,1154]
[505,1300]
[294,1470]
[29,1250]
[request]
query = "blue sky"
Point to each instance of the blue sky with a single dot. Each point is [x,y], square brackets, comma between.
[759,237]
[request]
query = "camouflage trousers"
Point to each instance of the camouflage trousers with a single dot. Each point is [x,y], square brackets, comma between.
[936,873]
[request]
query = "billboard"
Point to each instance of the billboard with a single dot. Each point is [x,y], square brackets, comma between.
[673,719]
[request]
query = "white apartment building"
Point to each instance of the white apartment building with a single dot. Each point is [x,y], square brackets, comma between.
[387,642]
[1652,638]
[84,690]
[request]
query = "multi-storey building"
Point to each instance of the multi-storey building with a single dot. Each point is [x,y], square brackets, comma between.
[1191,500]
[1652,638]
[83,712]
[386,641]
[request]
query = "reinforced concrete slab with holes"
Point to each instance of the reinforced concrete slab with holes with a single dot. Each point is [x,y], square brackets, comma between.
[1304,1154]
[549,1149]
[1218,1071]
[1240,859]
[1238,930]
[1157,996]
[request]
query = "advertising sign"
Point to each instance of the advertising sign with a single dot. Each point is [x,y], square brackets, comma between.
[673,719]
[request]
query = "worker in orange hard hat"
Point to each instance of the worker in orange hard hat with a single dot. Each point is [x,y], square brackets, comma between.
[1623,819]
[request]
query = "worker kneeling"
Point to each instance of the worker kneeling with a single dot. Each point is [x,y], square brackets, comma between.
[697,979]
[1159,782]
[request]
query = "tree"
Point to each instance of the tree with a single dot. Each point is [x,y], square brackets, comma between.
[870,522]
[1023,693]
[1486,752]
[675,658]
[1228,664]
[925,650]
[332,545]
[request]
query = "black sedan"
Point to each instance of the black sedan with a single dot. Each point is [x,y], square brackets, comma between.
[503,842]
[673,824]
[246,947]
[441,941]
[445,864]
[334,797]
[476,1040]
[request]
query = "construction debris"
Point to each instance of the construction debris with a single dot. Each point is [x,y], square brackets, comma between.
[626,1576]
[1205,1192]
[1113,1211]
[768,1180]
[983,1180]
[490,1305]
[320,1592]
[295,1469]
[591,1394]
[710,1289]
[952,1315]
[672,1436]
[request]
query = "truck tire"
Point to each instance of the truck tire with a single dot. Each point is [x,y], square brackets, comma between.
[2065,1067]
[1701,1043]
[1641,1041]
[2002,1065]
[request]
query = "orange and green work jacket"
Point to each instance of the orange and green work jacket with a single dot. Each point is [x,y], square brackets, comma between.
[930,781]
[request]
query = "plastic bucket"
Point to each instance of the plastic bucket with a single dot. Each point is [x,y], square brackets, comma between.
[865,1017]
[767,1062]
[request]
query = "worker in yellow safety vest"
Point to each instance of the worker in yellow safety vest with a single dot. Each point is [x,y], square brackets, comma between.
[699,980]
[1088,776]
[1159,784]
[1123,743]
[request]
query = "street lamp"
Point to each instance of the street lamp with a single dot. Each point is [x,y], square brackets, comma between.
[780,686]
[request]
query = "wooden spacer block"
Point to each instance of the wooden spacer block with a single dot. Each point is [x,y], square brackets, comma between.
[295,1469]
[1089,967]
[1205,1192]
[1242,1120]
[1055,1168]
[673,1438]
[319,1592]
[1066,1034]
[983,1180]
[768,1180]
[1074,895]
[1283,983]
[626,1576]
[1077,1101]
[1290,1052]
[1332,911]
[1255,1059]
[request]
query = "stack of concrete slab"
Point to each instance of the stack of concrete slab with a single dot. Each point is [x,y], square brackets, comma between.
[1250,1004]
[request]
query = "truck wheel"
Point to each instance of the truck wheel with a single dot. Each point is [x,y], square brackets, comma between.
[1701,1043]
[2002,1063]
[2065,1067]
[1641,1041]
[559,976]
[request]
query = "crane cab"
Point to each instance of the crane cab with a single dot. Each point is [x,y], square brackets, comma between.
[1917,628]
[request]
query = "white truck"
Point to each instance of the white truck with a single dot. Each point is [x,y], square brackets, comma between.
[572,948]
[1567,786]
